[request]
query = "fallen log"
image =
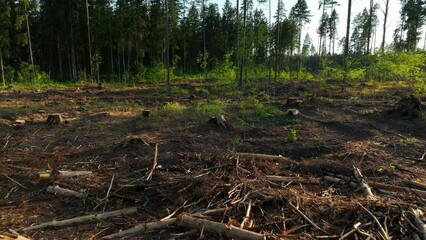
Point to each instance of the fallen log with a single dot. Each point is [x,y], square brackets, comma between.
[260,156]
[220,228]
[62,174]
[416,184]
[55,223]
[141,228]
[65,192]
[276,178]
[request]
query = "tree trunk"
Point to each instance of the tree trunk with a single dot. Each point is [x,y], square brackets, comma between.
[29,43]
[244,43]
[348,26]
[384,25]
[168,43]
[2,68]
[89,43]
[370,26]
[238,41]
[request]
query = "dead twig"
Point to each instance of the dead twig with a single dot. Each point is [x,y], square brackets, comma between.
[247,216]
[421,227]
[382,230]
[14,181]
[154,164]
[108,192]
[55,223]
[260,156]
[306,218]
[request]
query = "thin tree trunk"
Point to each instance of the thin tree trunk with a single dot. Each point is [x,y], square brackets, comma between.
[243,44]
[278,46]
[238,41]
[29,43]
[2,69]
[61,69]
[384,25]
[348,26]
[89,39]
[111,48]
[168,43]
[370,26]
[299,49]
[269,47]
[204,40]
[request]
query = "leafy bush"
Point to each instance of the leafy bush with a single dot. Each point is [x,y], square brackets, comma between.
[171,107]
[291,136]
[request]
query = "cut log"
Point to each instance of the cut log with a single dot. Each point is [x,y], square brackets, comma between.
[220,121]
[260,156]
[62,174]
[54,119]
[141,228]
[12,237]
[220,228]
[65,192]
[86,218]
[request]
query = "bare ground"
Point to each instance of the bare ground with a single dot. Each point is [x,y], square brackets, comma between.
[197,167]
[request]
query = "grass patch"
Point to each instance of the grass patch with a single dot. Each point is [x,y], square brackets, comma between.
[171,108]
[212,108]
[253,109]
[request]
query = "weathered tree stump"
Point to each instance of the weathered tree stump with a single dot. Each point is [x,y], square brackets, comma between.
[54,119]
[220,121]
[407,108]
[146,113]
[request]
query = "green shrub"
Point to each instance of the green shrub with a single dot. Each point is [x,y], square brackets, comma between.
[212,108]
[253,109]
[291,136]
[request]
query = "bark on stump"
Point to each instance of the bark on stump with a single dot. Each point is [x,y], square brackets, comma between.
[54,119]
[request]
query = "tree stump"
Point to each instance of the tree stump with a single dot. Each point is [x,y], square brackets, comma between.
[407,108]
[220,121]
[146,113]
[54,119]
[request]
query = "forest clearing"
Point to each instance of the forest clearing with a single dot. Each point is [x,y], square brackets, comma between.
[297,160]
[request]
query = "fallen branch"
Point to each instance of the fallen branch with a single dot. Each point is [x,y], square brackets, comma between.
[362,183]
[382,230]
[416,184]
[154,164]
[306,218]
[62,174]
[377,185]
[276,178]
[419,223]
[260,156]
[141,228]
[65,192]
[55,223]
[7,236]
[14,181]
[220,228]
[247,217]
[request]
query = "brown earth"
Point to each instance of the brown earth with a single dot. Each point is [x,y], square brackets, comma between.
[104,132]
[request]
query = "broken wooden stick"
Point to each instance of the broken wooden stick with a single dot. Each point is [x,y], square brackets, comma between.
[306,218]
[12,237]
[276,178]
[260,156]
[247,217]
[419,223]
[62,174]
[221,121]
[380,186]
[382,230]
[362,183]
[141,228]
[54,119]
[154,164]
[65,192]
[416,184]
[215,227]
[55,223]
